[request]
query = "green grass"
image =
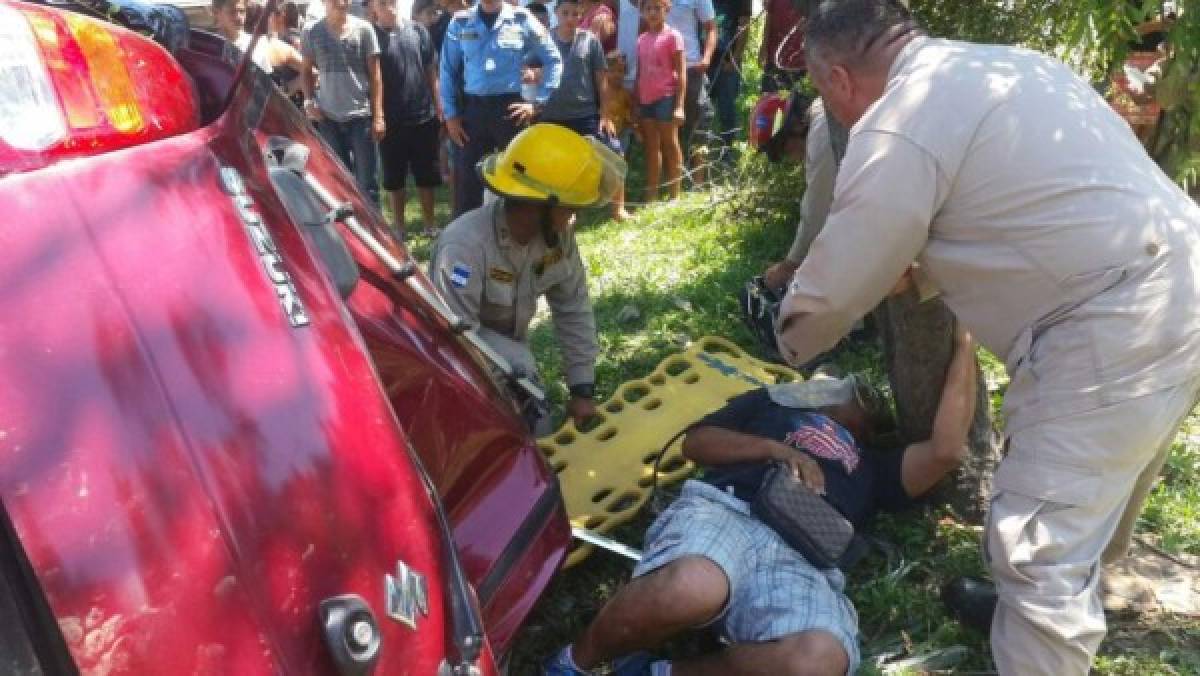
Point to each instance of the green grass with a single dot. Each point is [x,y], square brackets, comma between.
[1173,511]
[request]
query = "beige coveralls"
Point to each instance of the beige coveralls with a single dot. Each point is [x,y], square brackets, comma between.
[1062,247]
[493,282]
[820,170]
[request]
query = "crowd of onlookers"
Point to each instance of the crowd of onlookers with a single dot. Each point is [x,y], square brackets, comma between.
[429,91]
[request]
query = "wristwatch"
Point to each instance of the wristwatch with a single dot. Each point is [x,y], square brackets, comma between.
[583,390]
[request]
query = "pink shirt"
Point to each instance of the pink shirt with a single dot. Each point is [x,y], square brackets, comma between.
[656,75]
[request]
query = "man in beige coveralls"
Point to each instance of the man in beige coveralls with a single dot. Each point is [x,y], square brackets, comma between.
[820,170]
[1060,245]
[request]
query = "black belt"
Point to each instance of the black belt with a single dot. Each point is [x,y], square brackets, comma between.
[491,98]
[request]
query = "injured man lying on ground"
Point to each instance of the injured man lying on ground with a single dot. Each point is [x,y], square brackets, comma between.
[711,561]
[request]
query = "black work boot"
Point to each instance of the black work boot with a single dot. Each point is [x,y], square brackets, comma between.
[972,601]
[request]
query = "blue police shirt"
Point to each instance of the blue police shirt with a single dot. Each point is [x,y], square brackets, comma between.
[487,62]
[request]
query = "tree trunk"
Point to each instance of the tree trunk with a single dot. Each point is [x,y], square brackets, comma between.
[918,342]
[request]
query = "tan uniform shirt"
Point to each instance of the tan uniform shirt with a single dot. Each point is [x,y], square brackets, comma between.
[820,170]
[1030,203]
[494,283]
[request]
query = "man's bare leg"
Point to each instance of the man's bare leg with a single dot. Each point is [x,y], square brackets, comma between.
[685,593]
[698,163]
[399,198]
[427,215]
[808,653]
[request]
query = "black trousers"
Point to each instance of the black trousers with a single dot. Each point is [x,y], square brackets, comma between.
[488,127]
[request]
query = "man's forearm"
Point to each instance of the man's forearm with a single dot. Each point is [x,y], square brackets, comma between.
[602,93]
[307,82]
[956,409]
[376,87]
[718,446]
[710,41]
[431,75]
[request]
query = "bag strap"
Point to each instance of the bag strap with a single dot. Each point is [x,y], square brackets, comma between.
[658,463]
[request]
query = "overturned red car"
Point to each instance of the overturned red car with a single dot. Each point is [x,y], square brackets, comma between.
[239,434]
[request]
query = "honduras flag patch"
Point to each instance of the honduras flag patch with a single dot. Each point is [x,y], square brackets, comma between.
[460,274]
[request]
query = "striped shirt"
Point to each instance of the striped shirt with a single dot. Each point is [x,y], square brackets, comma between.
[344,86]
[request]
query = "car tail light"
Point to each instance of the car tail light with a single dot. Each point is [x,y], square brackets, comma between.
[71,85]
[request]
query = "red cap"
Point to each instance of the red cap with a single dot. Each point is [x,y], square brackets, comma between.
[767,118]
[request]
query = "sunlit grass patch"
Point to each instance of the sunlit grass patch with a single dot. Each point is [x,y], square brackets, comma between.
[1173,510]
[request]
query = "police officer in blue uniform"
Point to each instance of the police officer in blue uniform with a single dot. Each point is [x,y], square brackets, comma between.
[485,49]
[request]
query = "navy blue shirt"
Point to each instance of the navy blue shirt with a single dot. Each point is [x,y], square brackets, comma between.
[406,55]
[729,12]
[858,482]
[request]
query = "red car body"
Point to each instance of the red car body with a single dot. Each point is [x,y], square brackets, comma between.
[186,475]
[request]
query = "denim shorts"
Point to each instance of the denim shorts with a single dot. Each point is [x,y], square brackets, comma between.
[662,110]
[773,591]
[584,126]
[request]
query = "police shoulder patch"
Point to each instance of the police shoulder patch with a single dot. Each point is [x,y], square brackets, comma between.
[501,275]
[460,274]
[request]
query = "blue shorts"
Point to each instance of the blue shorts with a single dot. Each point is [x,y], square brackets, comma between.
[662,110]
[773,591]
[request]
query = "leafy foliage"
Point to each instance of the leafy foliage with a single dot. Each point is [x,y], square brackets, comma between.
[1095,36]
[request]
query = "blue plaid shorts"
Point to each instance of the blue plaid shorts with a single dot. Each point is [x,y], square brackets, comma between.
[773,590]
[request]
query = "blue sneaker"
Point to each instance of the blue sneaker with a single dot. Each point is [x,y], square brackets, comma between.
[640,664]
[561,664]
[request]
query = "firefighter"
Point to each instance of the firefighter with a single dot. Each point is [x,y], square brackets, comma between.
[492,263]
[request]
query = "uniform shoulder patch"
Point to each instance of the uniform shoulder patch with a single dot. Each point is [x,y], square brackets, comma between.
[501,275]
[549,258]
[460,274]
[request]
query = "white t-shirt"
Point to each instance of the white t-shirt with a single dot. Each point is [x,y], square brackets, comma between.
[686,17]
[260,56]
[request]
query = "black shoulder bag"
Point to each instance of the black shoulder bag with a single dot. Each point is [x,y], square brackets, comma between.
[804,520]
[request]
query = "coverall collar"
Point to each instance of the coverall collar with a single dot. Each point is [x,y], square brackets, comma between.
[905,55]
[506,12]
[504,239]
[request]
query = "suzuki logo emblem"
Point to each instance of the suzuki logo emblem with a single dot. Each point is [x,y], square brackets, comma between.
[264,246]
[406,594]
